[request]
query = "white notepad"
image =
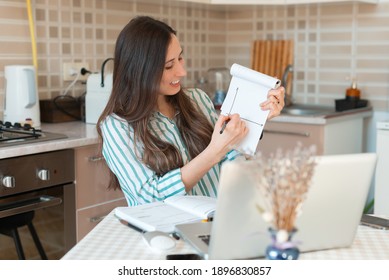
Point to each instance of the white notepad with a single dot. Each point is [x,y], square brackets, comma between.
[247,90]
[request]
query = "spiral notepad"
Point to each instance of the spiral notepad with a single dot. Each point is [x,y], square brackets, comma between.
[247,90]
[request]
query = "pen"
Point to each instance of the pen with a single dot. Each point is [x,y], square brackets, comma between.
[226,122]
[131,226]
[223,126]
[123,222]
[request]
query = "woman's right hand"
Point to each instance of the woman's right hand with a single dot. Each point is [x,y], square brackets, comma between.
[233,134]
[220,145]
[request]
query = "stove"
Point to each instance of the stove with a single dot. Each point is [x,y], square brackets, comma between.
[41,185]
[17,134]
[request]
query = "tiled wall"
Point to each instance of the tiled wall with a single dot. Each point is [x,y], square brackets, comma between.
[332,41]
[86,30]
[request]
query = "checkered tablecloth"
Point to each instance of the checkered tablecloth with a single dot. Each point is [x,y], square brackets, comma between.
[110,240]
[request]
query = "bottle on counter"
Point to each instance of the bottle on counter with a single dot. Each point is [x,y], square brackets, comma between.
[353,93]
[220,94]
[353,99]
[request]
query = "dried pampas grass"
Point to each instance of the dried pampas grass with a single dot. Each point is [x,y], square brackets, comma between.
[283,180]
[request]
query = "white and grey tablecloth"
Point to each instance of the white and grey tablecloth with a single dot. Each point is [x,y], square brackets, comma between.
[110,240]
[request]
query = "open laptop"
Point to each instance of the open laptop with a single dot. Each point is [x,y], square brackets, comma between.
[330,215]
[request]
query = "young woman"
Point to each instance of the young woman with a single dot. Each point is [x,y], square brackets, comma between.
[158,139]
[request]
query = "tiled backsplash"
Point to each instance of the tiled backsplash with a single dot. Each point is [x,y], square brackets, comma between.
[332,41]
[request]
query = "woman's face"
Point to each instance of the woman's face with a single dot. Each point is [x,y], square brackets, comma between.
[174,69]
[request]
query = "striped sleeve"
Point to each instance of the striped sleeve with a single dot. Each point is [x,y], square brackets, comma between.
[232,155]
[139,183]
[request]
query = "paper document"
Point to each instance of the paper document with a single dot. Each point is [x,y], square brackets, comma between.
[164,215]
[247,90]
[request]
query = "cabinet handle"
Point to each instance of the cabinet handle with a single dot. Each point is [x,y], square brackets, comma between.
[31,204]
[303,134]
[97,219]
[95,158]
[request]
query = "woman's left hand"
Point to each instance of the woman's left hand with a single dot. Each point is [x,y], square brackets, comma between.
[275,102]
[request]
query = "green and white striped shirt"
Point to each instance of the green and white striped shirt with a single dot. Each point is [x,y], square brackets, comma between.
[139,183]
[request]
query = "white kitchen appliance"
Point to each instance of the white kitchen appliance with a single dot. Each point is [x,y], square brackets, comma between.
[98,90]
[381,190]
[21,95]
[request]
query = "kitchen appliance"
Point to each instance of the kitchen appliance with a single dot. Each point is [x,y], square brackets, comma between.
[43,183]
[17,134]
[381,190]
[215,84]
[98,90]
[21,95]
[96,96]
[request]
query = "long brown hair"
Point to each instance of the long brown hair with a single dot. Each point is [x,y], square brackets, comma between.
[139,62]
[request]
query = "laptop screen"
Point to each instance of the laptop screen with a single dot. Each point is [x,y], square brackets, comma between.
[330,215]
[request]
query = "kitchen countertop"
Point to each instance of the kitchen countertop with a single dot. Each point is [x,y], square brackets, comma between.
[325,118]
[81,134]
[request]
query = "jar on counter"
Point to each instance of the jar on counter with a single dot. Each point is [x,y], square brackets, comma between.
[215,84]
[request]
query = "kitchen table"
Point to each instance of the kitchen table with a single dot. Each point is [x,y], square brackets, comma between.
[110,240]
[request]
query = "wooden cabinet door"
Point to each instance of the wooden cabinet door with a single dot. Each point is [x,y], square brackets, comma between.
[88,218]
[93,198]
[286,136]
[92,178]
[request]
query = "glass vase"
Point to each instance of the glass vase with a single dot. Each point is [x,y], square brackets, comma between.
[282,248]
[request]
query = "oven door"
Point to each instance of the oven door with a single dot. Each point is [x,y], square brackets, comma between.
[54,221]
[43,183]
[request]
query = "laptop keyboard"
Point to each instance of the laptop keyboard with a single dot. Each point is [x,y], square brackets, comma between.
[205,238]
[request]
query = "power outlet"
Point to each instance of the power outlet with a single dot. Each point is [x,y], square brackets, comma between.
[71,69]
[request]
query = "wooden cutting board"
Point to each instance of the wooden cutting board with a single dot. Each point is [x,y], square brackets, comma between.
[271,57]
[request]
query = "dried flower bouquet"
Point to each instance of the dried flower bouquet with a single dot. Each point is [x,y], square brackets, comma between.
[283,180]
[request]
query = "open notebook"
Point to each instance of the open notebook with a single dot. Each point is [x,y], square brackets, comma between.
[330,214]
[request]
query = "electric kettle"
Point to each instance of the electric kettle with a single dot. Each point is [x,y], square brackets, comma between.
[21,95]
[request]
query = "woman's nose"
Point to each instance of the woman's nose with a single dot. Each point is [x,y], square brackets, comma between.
[181,71]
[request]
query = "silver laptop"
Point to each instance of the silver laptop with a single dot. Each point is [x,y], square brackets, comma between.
[330,215]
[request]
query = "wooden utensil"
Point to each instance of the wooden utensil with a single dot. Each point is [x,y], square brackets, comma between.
[272,57]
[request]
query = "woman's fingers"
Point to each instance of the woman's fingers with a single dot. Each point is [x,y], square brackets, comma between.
[275,102]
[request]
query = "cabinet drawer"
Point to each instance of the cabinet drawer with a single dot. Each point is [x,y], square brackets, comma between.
[287,135]
[92,178]
[88,218]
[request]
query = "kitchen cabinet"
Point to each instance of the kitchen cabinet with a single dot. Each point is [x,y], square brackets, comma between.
[341,135]
[272,2]
[327,1]
[93,200]
[381,189]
